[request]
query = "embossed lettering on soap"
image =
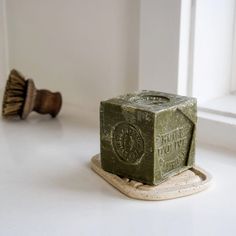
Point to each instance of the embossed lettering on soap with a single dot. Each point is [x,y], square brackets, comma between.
[173,148]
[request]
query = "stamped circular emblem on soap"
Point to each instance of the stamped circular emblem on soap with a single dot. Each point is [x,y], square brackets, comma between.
[128,143]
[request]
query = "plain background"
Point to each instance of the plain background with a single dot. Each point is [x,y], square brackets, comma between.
[86,49]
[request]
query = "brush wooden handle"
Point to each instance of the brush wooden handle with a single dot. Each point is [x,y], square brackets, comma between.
[47,102]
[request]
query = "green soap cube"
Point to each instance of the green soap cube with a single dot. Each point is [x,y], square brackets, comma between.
[148,136]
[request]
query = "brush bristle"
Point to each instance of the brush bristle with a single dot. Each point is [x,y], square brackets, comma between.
[14,96]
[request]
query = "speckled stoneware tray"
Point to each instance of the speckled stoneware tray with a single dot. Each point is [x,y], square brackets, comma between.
[188,182]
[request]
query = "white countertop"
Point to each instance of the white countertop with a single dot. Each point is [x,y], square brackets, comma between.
[48,188]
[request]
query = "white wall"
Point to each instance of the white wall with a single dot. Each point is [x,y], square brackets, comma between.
[159,44]
[87,49]
[80,47]
[3,45]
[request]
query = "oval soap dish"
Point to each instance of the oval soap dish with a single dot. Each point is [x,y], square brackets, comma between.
[186,183]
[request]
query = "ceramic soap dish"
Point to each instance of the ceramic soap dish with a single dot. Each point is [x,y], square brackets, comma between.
[186,183]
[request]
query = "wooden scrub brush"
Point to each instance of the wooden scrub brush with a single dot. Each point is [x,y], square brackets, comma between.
[21,97]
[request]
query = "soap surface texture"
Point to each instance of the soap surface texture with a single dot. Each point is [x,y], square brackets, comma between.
[148,136]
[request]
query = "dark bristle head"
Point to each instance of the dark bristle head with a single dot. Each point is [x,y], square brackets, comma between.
[14,96]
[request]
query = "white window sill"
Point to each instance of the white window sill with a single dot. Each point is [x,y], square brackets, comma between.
[224,106]
[217,122]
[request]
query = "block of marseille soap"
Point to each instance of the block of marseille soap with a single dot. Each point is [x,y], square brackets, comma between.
[148,136]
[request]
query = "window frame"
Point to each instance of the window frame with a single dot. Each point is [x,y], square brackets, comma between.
[214,127]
